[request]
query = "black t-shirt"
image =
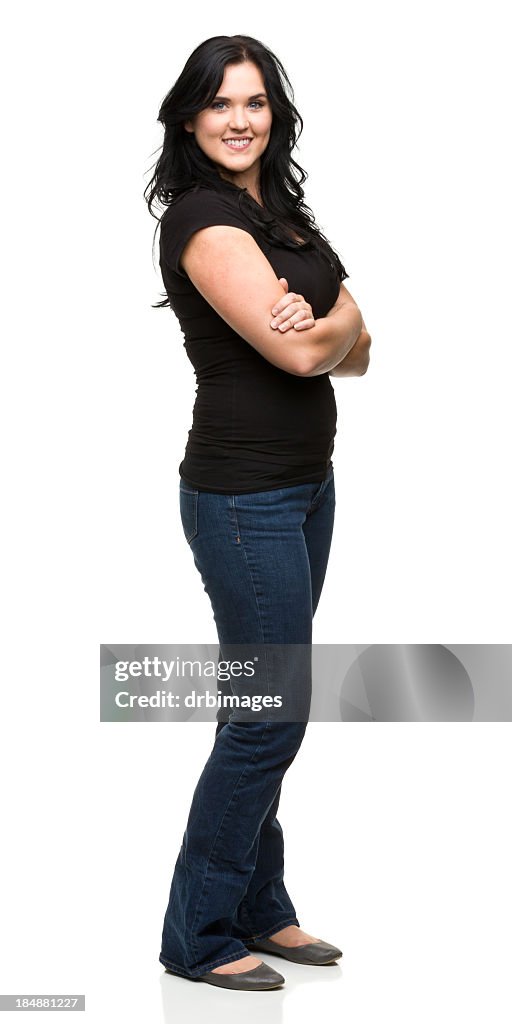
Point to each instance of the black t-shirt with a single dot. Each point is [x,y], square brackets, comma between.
[255,427]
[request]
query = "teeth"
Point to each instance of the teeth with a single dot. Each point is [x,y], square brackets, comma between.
[236,144]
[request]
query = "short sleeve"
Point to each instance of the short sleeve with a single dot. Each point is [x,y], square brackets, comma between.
[189,213]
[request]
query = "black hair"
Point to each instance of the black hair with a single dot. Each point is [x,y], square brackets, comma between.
[183,166]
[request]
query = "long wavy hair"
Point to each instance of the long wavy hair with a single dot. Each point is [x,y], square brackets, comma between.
[183,166]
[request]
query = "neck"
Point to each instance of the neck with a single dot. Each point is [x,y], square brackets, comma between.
[251,186]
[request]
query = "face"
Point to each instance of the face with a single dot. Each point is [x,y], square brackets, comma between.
[241,110]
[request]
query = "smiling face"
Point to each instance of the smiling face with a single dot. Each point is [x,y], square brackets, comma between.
[234,130]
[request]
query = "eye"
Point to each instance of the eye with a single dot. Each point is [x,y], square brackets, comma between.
[220,103]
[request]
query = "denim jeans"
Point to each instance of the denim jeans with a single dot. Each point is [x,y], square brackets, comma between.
[262,558]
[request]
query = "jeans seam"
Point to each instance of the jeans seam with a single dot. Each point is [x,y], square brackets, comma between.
[242,911]
[244,552]
[251,577]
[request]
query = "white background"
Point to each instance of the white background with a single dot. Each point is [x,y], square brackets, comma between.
[396,835]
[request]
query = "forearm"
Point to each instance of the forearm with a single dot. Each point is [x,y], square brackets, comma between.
[355,364]
[332,338]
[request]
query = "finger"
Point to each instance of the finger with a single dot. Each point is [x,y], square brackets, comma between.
[305,325]
[285,300]
[288,305]
[299,317]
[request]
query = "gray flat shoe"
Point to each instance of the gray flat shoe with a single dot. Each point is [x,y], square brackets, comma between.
[313,953]
[255,980]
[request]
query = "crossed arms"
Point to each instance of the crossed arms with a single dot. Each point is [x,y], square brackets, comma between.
[234,276]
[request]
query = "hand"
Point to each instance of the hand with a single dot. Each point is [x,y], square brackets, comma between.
[291,310]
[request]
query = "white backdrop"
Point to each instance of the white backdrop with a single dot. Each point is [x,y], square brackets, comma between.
[398,850]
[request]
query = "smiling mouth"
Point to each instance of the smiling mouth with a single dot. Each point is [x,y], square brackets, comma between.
[241,143]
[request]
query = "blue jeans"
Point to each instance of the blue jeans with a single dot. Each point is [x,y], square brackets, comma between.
[262,558]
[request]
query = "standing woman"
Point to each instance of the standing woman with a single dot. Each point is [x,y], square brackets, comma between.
[258,292]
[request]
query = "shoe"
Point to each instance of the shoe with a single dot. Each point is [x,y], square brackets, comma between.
[313,953]
[256,980]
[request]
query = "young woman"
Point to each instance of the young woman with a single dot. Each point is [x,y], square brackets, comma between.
[259,296]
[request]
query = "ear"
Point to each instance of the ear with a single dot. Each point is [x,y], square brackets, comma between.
[188,126]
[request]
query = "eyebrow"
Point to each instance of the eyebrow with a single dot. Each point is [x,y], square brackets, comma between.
[226,99]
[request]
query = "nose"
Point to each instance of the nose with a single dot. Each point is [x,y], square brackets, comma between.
[238,120]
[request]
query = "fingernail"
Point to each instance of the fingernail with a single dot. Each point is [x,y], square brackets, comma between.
[273,311]
[273,323]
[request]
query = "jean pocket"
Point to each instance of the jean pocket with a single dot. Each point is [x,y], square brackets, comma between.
[188,511]
[322,487]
